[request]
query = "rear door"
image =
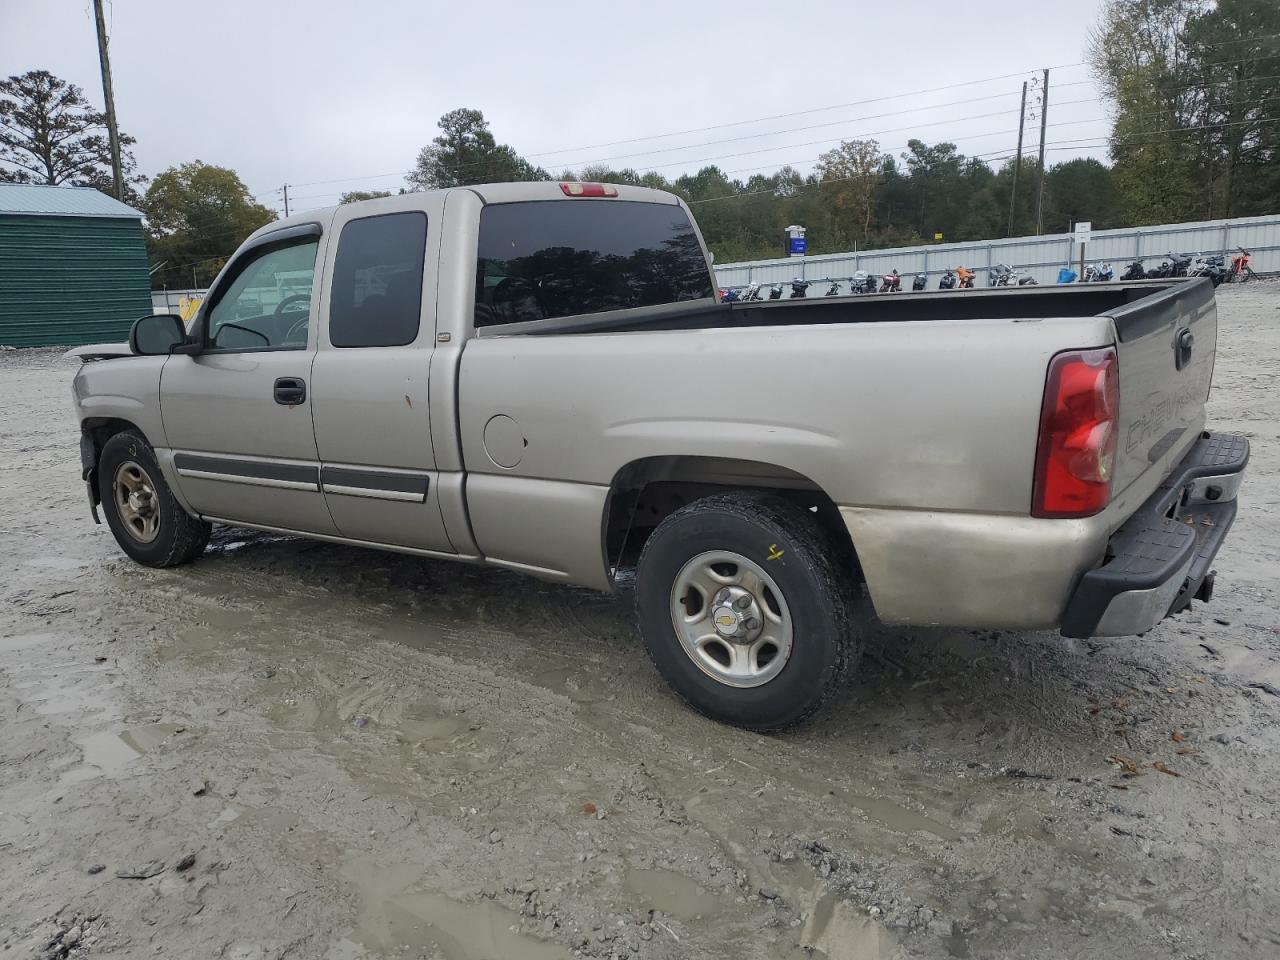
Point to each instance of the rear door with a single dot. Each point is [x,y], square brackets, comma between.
[1165,344]
[238,415]
[370,378]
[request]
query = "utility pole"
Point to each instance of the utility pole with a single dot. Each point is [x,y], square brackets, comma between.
[1044,117]
[1017,160]
[104,61]
[286,199]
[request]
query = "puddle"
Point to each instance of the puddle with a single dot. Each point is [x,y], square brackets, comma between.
[897,817]
[20,641]
[148,737]
[481,931]
[394,913]
[842,931]
[108,753]
[82,692]
[672,893]
[228,815]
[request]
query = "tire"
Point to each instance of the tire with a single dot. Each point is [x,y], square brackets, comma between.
[738,681]
[149,524]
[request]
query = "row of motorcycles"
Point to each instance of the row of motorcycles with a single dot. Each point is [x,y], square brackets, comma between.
[1001,275]
[1214,266]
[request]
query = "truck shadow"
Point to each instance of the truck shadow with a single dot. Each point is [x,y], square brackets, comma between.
[996,689]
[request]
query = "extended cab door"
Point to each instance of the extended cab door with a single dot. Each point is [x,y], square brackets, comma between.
[370,378]
[238,414]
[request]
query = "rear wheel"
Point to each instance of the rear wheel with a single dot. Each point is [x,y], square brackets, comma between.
[148,523]
[749,609]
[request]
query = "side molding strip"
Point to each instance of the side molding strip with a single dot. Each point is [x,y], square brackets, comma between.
[378,484]
[289,476]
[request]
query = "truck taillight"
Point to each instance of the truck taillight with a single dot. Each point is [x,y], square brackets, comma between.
[1079,427]
[575,189]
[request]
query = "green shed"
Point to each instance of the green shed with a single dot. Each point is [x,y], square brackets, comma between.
[73,267]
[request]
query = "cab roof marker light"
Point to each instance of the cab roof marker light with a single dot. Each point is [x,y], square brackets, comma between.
[575,189]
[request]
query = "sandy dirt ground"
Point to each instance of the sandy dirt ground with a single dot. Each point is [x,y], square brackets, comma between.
[291,749]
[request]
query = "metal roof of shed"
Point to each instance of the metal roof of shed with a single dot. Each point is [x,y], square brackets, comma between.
[42,200]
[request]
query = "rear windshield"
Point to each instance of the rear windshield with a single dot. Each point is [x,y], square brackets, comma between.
[562,258]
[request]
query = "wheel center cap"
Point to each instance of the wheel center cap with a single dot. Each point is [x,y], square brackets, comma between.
[736,615]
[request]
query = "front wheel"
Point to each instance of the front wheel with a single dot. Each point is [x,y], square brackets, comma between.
[749,609]
[148,523]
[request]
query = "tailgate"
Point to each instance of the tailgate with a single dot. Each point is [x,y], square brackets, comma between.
[1165,343]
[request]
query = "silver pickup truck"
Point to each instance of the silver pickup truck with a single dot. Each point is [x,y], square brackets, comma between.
[539,376]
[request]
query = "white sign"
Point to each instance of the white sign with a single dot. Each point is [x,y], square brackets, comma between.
[1083,228]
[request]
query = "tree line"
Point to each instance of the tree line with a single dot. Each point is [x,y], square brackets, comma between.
[1195,88]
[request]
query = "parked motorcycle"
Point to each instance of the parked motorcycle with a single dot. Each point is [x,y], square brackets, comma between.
[999,275]
[862,282]
[948,280]
[1240,269]
[1213,267]
[730,295]
[833,290]
[775,291]
[1135,272]
[753,292]
[798,288]
[965,276]
[1099,273]
[1179,264]
[918,281]
[891,282]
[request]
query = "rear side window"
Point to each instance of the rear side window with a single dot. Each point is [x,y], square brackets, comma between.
[377,281]
[562,258]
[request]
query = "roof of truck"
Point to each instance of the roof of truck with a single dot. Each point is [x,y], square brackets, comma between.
[488,192]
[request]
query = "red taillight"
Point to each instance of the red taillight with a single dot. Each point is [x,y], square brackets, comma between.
[575,189]
[1078,430]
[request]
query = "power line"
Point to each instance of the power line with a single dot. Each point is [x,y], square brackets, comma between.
[720,126]
[1051,146]
[795,113]
[787,146]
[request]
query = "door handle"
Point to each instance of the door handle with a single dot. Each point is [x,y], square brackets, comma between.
[290,391]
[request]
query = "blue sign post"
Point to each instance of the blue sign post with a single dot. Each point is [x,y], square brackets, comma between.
[797,246]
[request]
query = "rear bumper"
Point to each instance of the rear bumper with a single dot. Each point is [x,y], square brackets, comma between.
[1159,560]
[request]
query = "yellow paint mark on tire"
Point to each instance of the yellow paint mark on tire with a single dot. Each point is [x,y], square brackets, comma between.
[774,552]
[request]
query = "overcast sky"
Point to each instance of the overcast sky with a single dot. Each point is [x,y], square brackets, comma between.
[301,91]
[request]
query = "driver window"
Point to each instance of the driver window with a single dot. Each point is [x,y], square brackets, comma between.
[267,305]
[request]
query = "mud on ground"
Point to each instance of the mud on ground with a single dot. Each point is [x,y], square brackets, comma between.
[292,749]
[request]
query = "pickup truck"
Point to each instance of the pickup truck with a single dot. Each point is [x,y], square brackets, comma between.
[539,376]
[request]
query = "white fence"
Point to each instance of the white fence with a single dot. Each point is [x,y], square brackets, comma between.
[174,301]
[1043,256]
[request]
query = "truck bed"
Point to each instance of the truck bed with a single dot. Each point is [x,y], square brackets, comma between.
[986,303]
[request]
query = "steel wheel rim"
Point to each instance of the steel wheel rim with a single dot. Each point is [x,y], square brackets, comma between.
[136,502]
[731,619]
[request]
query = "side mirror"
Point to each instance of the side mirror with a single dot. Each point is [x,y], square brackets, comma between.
[157,335]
